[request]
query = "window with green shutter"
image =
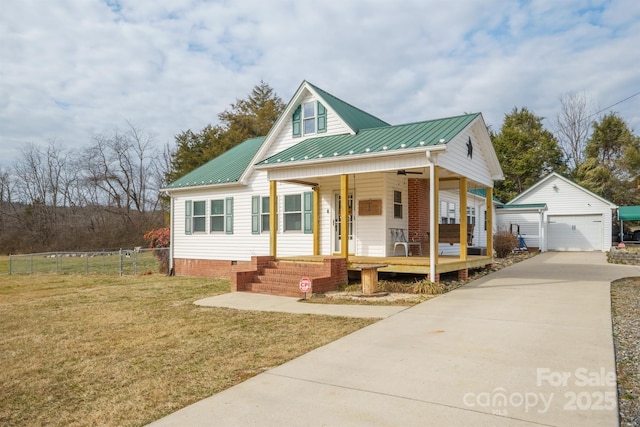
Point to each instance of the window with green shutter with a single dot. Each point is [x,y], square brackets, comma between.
[229,215]
[199,216]
[308,212]
[216,218]
[309,118]
[264,214]
[292,212]
[296,122]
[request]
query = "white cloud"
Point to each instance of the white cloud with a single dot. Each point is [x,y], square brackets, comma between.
[72,68]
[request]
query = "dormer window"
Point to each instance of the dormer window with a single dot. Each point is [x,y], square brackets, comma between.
[309,118]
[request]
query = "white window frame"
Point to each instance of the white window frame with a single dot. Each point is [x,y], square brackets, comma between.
[398,208]
[309,119]
[447,212]
[216,215]
[202,217]
[265,223]
[293,213]
[471,215]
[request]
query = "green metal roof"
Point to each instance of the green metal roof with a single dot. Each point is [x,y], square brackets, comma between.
[392,139]
[355,118]
[482,192]
[227,167]
[629,213]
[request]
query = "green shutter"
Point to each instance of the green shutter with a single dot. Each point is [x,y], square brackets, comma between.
[322,118]
[295,121]
[187,217]
[255,214]
[308,212]
[228,215]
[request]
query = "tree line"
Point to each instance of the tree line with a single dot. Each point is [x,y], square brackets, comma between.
[98,197]
[108,194]
[598,152]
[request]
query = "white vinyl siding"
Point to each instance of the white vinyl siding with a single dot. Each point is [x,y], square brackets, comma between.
[527,222]
[242,244]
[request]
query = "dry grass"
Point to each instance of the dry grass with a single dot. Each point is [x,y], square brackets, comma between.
[4,264]
[104,350]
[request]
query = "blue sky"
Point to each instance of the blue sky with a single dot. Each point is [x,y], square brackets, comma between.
[70,69]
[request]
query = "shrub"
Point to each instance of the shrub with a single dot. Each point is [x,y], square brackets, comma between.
[504,243]
[427,287]
[160,238]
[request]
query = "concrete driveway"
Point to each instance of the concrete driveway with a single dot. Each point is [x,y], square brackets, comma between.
[528,345]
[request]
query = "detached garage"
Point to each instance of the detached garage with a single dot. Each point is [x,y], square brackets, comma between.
[575,219]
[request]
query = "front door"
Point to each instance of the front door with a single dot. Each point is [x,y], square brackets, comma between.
[337,220]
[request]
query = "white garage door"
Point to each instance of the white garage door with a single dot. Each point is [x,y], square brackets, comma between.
[574,232]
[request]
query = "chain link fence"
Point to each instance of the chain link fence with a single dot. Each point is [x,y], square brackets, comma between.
[123,262]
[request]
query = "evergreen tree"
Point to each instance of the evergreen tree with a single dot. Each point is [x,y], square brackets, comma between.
[247,118]
[527,152]
[612,162]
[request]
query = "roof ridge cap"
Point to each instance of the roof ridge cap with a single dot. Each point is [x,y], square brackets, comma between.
[345,102]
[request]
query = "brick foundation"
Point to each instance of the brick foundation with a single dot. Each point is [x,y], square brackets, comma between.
[206,267]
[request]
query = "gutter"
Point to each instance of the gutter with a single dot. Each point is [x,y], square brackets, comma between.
[346,157]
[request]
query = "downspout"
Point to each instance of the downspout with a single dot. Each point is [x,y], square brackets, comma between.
[171,234]
[543,240]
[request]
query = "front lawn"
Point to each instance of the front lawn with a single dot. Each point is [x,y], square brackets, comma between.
[106,350]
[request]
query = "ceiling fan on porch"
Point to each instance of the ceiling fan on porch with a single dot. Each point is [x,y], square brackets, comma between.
[406,172]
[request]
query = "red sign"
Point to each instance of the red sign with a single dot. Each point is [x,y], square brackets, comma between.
[305,284]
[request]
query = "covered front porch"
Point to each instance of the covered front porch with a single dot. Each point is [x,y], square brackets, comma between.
[425,192]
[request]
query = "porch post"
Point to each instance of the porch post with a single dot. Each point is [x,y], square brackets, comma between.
[490,221]
[316,221]
[344,216]
[463,218]
[273,217]
[434,201]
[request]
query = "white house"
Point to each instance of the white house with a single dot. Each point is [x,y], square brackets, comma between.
[331,183]
[557,214]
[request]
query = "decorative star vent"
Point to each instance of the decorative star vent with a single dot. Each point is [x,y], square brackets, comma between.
[470,149]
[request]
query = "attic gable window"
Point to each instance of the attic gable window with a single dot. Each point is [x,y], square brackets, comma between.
[309,118]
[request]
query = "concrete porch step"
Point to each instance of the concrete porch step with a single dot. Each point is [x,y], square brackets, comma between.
[275,289]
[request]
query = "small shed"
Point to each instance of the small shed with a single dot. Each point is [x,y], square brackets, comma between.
[569,217]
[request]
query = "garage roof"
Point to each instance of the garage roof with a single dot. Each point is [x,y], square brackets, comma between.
[629,213]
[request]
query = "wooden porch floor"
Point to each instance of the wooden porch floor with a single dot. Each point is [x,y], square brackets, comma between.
[401,264]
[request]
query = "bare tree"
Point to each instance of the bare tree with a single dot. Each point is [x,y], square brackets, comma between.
[572,127]
[120,167]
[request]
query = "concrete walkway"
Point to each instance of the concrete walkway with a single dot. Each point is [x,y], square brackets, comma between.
[528,345]
[260,302]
